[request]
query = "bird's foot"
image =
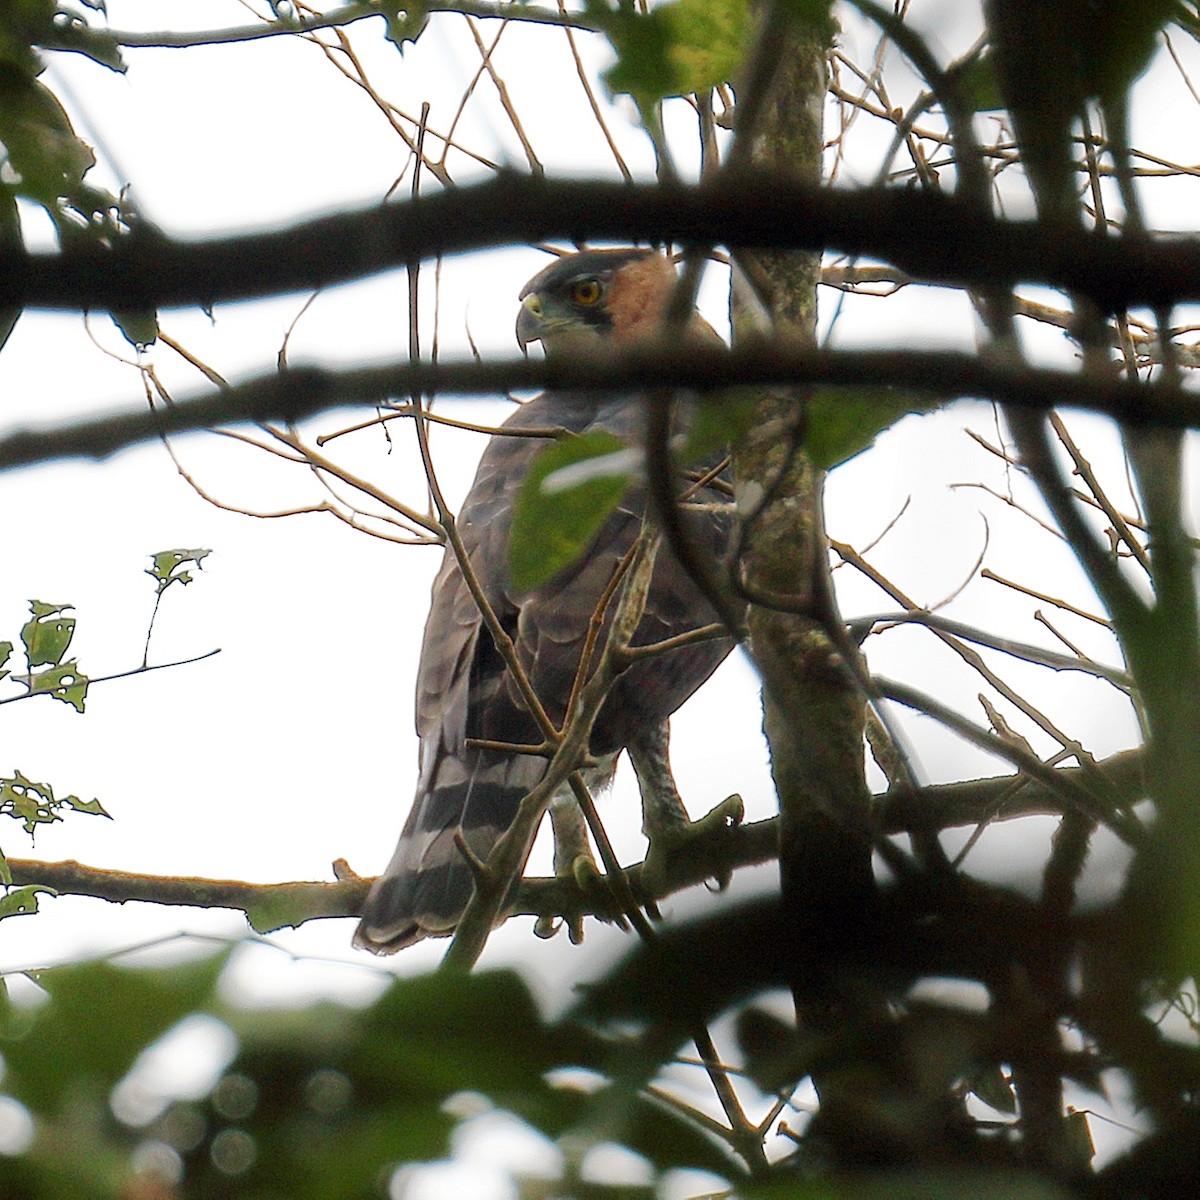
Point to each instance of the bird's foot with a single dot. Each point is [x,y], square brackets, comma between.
[690,839]
[585,891]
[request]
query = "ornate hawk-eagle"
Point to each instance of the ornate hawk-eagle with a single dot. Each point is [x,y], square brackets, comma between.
[464,690]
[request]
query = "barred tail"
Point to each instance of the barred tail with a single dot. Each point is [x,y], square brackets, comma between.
[428,882]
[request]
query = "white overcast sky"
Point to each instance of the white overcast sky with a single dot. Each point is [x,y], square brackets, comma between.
[294,746]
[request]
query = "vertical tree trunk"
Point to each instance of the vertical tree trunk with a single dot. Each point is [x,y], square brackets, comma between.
[813,709]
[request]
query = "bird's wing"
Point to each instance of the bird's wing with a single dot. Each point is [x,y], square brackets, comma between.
[461,791]
[464,690]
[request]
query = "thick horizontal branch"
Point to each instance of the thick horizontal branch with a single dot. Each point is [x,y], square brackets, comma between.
[302,392]
[931,237]
[278,905]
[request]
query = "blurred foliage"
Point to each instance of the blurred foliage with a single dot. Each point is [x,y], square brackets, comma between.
[329,1101]
[42,159]
[675,48]
[1050,60]
[324,1102]
[842,422]
[576,483]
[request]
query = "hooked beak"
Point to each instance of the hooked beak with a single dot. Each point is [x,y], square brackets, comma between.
[530,324]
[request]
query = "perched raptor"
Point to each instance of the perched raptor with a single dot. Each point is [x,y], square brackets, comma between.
[464,690]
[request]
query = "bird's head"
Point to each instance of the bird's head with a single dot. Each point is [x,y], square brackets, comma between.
[618,294]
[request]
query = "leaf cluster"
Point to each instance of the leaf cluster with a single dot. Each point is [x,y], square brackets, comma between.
[326,1102]
[47,638]
[45,161]
[575,484]
[329,1101]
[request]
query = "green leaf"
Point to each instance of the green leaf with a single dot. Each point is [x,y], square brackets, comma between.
[31,803]
[777,1054]
[44,154]
[22,901]
[22,23]
[668,985]
[6,649]
[65,682]
[450,1056]
[92,807]
[48,634]
[340,1151]
[1079,1137]
[948,1183]
[10,239]
[1116,47]
[140,329]
[994,1087]
[555,520]
[817,16]
[166,563]
[74,34]
[405,21]
[843,422]
[978,82]
[1050,59]
[98,1020]
[36,804]
[280,906]
[721,420]
[676,48]
[668,1138]
[396,1063]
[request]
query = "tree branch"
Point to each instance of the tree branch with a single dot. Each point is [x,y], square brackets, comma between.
[267,906]
[933,238]
[271,906]
[338,18]
[302,392]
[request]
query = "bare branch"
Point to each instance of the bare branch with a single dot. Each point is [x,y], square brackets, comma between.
[929,236]
[301,392]
[1074,795]
[336,19]
[1022,650]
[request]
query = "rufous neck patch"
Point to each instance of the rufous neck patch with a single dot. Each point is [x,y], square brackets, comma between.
[638,295]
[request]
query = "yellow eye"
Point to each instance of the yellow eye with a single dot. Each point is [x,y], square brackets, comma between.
[586,291]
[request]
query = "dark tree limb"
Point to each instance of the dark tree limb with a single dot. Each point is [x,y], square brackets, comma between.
[933,238]
[303,392]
